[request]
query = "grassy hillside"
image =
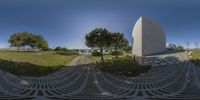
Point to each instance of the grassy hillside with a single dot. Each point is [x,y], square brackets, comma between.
[32,63]
[123,65]
[195,58]
[195,54]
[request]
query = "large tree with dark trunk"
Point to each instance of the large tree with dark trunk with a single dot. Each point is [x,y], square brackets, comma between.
[99,38]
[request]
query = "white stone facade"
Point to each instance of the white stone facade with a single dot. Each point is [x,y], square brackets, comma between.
[148,38]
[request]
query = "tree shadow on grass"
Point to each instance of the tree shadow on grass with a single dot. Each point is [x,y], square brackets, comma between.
[123,66]
[195,61]
[27,69]
[129,68]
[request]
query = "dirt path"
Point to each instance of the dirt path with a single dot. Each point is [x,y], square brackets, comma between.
[79,60]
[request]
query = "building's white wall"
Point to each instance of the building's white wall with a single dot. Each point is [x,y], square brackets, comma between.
[153,37]
[149,38]
[137,38]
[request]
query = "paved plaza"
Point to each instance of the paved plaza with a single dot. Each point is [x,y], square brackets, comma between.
[171,77]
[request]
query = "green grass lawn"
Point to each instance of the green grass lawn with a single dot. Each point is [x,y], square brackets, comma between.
[195,57]
[32,63]
[123,65]
[195,54]
[97,59]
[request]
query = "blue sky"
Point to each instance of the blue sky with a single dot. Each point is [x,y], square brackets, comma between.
[65,22]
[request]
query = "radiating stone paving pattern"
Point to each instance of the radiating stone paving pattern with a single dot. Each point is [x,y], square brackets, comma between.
[178,79]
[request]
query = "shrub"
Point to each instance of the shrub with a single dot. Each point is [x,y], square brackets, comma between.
[95,53]
[61,49]
[124,67]
[116,53]
[196,61]
[179,48]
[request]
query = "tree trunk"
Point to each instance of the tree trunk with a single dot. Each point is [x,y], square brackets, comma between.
[133,58]
[116,53]
[101,50]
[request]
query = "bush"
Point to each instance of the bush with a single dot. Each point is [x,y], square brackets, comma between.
[124,67]
[179,48]
[95,53]
[61,49]
[116,52]
[196,61]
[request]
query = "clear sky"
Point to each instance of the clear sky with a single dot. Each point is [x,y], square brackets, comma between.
[65,22]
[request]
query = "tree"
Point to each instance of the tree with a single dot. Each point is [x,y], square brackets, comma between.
[118,42]
[58,49]
[25,38]
[18,39]
[22,39]
[128,48]
[98,38]
[38,41]
[33,40]
[43,45]
[180,48]
[64,49]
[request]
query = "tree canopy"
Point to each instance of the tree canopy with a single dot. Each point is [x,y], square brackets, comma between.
[21,39]
[179,48]
[101,38]
[118,42]
[98,38]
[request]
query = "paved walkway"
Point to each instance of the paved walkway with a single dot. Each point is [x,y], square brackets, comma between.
[176,79]
[79,60]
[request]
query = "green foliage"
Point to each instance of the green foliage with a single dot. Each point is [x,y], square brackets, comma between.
[98,38]
[196,61]
[37,41]
[61,49]
[67,53]
[95,53]
[123,66]
[118,41]
[179,48]
[128,48]
[21,39]
[116,53]
[102,38]
[32,63]
[58,49]
[195,54]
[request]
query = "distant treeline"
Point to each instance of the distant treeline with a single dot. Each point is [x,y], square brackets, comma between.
[65,51]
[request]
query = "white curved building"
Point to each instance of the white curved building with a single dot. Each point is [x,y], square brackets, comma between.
[148,38]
